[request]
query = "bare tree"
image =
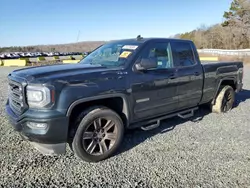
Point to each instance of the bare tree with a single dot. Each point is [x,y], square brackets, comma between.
[238,20]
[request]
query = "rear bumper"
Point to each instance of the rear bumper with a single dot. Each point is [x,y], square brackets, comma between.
[50,140]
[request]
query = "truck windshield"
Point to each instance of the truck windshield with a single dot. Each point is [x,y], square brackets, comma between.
[112,54]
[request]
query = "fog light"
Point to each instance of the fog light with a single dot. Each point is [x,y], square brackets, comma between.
[34,125]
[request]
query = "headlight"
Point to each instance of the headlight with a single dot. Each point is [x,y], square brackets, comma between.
[38,96]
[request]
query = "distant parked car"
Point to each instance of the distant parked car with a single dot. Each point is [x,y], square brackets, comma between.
[50,54]
[2,56]
[12,56]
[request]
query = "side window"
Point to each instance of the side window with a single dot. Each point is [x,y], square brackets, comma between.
[162,53]
[183,54]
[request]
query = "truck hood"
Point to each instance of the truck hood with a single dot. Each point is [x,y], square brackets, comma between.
[50,73]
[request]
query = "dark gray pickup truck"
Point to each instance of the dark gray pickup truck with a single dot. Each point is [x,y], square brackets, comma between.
[123,84]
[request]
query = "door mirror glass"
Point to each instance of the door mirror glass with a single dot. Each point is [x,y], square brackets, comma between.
[146,63]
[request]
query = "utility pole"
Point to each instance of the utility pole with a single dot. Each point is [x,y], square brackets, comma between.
[78,35]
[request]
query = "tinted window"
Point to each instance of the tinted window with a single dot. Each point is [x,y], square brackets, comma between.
[183,54]
[162,53]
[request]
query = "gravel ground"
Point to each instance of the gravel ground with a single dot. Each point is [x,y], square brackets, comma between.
[212,152]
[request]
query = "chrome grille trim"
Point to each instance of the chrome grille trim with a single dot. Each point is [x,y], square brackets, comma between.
[16,96]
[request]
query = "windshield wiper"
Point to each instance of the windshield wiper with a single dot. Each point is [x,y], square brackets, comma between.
[103,65]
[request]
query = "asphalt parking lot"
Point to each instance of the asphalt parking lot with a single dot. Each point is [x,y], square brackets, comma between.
[213,151]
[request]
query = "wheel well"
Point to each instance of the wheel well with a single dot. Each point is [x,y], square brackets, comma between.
[222,84]
[228,82]
[118,104]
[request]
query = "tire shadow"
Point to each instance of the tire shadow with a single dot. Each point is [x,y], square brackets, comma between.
[242,96]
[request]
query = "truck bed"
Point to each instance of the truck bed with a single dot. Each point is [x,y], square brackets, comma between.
[215,72]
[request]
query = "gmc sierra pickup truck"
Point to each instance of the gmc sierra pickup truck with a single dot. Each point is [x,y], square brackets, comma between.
[123,84]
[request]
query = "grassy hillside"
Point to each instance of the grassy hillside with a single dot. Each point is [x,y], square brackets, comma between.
[71,47]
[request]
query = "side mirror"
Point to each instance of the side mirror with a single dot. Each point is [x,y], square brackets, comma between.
[147,63]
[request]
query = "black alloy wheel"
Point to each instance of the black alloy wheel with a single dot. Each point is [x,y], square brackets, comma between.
[99,134]
[227,102]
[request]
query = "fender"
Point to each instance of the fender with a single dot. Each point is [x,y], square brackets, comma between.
[218,87]
[125,109]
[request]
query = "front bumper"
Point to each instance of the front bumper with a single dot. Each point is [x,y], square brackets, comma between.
[51,140]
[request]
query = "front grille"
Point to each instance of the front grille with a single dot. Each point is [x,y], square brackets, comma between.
[16,97]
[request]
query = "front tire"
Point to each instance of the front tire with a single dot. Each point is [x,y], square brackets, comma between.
[225,100]
[99,134]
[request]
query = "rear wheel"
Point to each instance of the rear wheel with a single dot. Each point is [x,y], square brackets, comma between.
[225,100]
[98,135]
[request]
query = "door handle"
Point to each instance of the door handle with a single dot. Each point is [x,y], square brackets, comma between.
[172,76]
[197,74]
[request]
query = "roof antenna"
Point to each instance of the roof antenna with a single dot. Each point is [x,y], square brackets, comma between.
[139,37]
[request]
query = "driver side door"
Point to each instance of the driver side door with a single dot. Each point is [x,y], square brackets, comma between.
[154,91]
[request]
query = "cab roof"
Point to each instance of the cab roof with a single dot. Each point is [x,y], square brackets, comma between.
[140,39]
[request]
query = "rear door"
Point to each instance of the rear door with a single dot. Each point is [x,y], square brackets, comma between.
[190,74]
[154,91]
